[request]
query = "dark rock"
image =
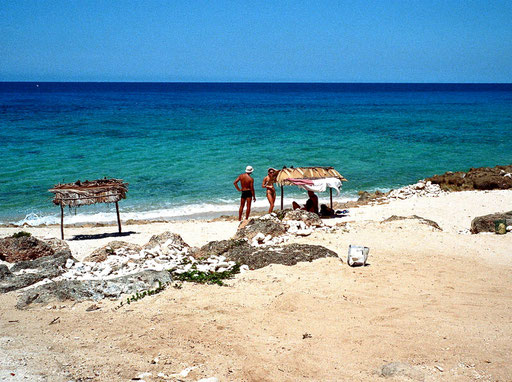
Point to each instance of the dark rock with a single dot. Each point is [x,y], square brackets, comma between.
[172,239]
[400,369]
[365,196]
[81,290]
[429,222]
[4,271]
[217,248]
[101,254]
[311,219]
[483,178]
[272,227]
[14,249]
[25,273]
[259,257]
[486,223]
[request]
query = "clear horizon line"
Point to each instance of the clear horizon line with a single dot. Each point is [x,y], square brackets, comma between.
[268,82]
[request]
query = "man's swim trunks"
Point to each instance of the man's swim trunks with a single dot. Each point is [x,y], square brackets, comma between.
[246,194]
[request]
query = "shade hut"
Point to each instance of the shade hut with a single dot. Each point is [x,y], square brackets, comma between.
[89,192]
[310,173]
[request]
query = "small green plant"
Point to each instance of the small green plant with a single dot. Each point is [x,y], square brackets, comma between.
[21,234]
[138,296]
[196,276]
[177,285]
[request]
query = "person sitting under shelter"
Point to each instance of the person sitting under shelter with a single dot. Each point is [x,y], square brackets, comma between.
[311,204]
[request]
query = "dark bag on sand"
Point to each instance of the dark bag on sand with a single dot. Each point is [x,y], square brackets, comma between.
[326,211]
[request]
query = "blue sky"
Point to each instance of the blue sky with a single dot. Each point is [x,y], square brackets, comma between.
[304,41]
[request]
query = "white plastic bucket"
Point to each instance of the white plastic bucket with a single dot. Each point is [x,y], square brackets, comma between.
[357,255]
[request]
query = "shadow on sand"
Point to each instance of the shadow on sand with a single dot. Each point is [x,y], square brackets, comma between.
[102,235]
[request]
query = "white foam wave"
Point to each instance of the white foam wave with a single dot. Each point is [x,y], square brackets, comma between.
[190,211]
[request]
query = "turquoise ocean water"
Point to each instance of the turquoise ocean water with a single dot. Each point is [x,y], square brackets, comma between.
[180,146]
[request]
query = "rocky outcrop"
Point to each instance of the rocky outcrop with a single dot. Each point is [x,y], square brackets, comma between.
[265,226]
[14,249]
[101,254]
[258,257]
[483,178]
[271,230]
[218,248]
[365,196]
[123,271]
[4,272]
[309,218]
[80,290]
[422,188]
[166,239]
[428,222]
[25,273]
[167,252]
[286,255]
[486,223]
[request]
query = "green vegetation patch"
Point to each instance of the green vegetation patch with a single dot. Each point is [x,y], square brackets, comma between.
[196,276]
[21,234]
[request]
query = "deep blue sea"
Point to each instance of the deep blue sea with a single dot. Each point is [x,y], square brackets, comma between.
[181,145]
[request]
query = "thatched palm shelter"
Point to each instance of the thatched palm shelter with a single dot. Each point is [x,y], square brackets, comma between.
[89,192]
[306,173]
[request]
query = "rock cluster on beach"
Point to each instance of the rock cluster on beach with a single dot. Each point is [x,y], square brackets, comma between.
[242,252]
[255,243]
[124,268]
[28,260]
[92,289]
[482,178]
[486,223]
[26,273]
[422,188]
[270,230]
[26,247]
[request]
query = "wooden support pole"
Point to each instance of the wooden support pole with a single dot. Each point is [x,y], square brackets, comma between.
[282,198]
[62,222]
[118,218]
[330,189]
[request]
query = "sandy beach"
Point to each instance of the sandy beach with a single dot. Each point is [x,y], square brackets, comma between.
[438,302]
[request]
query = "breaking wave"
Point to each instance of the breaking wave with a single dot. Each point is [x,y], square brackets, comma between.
[183,212]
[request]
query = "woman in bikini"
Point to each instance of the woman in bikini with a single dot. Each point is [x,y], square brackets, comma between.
[268,183]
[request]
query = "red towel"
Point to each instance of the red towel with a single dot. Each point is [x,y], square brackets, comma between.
[301,182]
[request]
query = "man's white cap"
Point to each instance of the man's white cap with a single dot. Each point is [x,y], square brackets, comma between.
[249,169]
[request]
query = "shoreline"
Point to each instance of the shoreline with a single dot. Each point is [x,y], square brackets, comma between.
[108,218]
[452,211]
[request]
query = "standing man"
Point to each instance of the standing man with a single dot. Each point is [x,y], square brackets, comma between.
[247,190]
